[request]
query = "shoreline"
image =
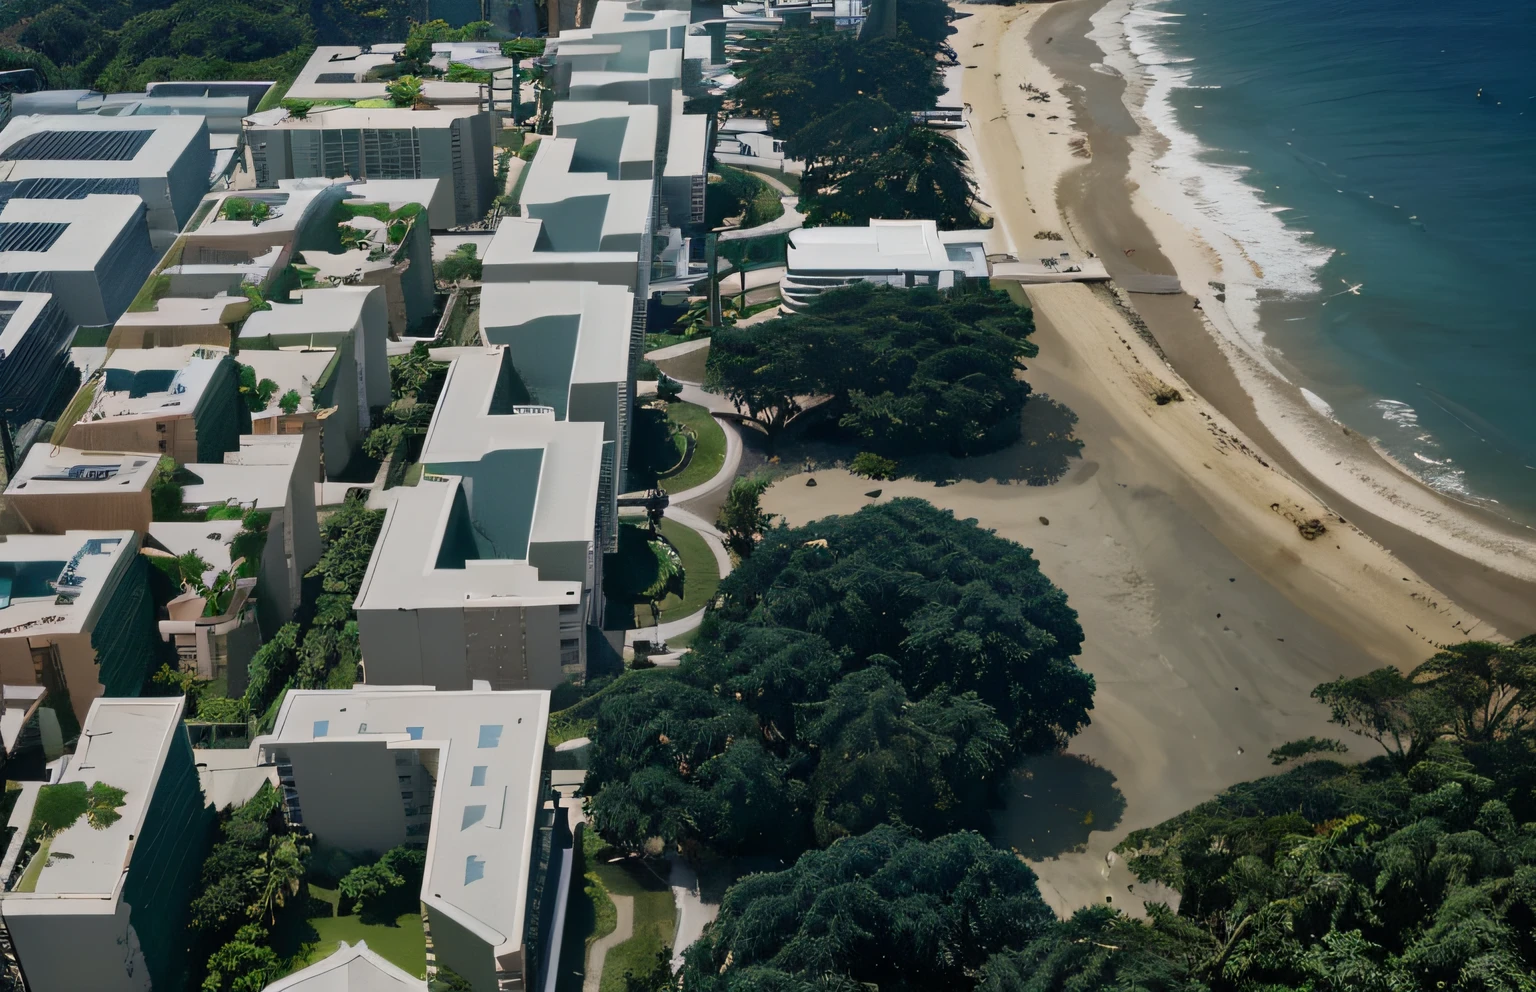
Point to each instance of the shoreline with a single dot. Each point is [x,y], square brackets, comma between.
[1479,558]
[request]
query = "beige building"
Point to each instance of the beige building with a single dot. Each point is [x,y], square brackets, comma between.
[183,402]
[76,617]
[217,645]
[57,489]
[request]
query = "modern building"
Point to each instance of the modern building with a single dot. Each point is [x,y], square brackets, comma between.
[391,222]
[35,333]
[352,324]
[29,733]
[489,568]
[902,253]
[76,617]
[687,169]
[184,402]
[349,968]
[348,73]
[453,144]
[572,346]
[56,489]
[372,768]
[275,474]
[217,643]
[102,904]
[577,225]
[616,139]
[92,252]
[165,160]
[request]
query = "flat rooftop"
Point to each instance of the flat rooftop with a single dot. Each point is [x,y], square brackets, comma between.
[18,312]
[298,369]
[490,756]
[687,144]
[65,145]
[49,471]
[321,317]
[153,382]
[288,206]
[64,235]
[613,138]
[364,118]
[259,473]
[336,72]
[53,583]
[124,744]
[886,246]
[560,334]
[587,211]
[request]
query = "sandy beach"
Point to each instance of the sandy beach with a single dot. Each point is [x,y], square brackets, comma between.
[1208,616]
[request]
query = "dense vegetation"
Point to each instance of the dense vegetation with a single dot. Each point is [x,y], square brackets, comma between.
[882,667]
[1415,870]
[843,105]
[902,370]
[123,44]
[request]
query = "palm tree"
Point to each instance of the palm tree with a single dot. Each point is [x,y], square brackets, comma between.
[280,874]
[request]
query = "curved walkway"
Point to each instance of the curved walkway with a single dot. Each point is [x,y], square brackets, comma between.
[597,954]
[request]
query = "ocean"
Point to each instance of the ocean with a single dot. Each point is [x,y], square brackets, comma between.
[1375,161]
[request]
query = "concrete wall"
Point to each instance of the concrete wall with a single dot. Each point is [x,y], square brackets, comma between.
[457,948]
[179,439]
[55,513]
[71,953]
[349,792]
[511,647]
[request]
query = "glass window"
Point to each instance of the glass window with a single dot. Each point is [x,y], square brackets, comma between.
[477,775]
[415,733]
[490,734]
[472,816]
[474,869]
[322,727]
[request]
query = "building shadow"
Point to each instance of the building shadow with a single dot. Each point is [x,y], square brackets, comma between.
[1043,453]
[1052,802]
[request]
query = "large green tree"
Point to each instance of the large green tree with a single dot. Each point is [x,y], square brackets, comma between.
[901,371]
[883,910]
[840,684]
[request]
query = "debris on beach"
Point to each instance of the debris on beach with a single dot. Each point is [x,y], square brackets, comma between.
[1046,521]
[810,481]
[874,493]
[1312,529]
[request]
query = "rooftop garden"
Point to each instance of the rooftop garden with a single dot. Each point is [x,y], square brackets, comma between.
[58,808]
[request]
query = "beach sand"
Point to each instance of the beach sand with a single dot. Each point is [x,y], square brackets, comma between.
[1208,616]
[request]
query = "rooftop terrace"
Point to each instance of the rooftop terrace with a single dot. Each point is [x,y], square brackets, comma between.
[52,583]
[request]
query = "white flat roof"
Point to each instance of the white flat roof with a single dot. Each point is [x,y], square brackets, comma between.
[289,204]
[885,246]
[363,118]
[687,144]
[322,314]
[603,315]
[124,744]
[170,136]
[191,368]
[337,60]
[50,470]
[297,369]
[35,567]
[259,473]
[550,181]
[640,126]
[28,307]
[490,758]
[209,538]
[93,225]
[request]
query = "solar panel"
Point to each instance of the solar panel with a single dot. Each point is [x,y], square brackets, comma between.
[78,146]
[30,237]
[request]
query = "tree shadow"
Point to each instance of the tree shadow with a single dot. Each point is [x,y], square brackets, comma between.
[1042,454]
[1052,802]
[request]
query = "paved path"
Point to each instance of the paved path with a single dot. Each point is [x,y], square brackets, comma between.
[678,350]
[716,542]
[693,913]
[598,952]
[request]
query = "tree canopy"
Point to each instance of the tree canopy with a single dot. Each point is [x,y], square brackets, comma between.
[902,370]
[1415,870]
[882,667]
[884,910]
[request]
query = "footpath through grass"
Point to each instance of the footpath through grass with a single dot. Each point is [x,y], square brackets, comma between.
[701,574]
[655,912]
[708,455]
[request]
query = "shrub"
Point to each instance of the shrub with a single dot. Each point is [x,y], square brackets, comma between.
[872,466]
[289,401]
[222,709]
[240,208]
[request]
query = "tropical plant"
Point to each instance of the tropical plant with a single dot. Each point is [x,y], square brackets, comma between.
[463,263]
[279,874]
[289,402]
[873,466]
[742,518]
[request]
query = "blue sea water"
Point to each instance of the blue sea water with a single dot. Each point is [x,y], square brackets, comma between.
[1396,143]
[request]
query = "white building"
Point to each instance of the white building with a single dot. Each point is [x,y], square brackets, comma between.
[102,905]
[163,160]
[452,144]
[353,968]
[489,568]
[376,767]
[91,253]
[903,253]
[342,72]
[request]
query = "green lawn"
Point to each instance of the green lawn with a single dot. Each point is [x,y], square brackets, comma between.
[589,916]
[655,914]
[404,944]
[708,456]
[701,575]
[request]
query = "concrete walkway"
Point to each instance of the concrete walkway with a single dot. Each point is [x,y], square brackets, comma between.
[693,913]
[716,542]
[678,350]
[598,952]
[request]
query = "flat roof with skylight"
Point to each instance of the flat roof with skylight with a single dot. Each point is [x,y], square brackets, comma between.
[64,235]
[52,583]
[49,146]
[490,751]
[55,470]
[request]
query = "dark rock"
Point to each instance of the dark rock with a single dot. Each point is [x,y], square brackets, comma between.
[810,482]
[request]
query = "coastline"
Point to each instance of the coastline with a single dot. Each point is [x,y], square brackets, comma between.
[1122,199]
[1208,617]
